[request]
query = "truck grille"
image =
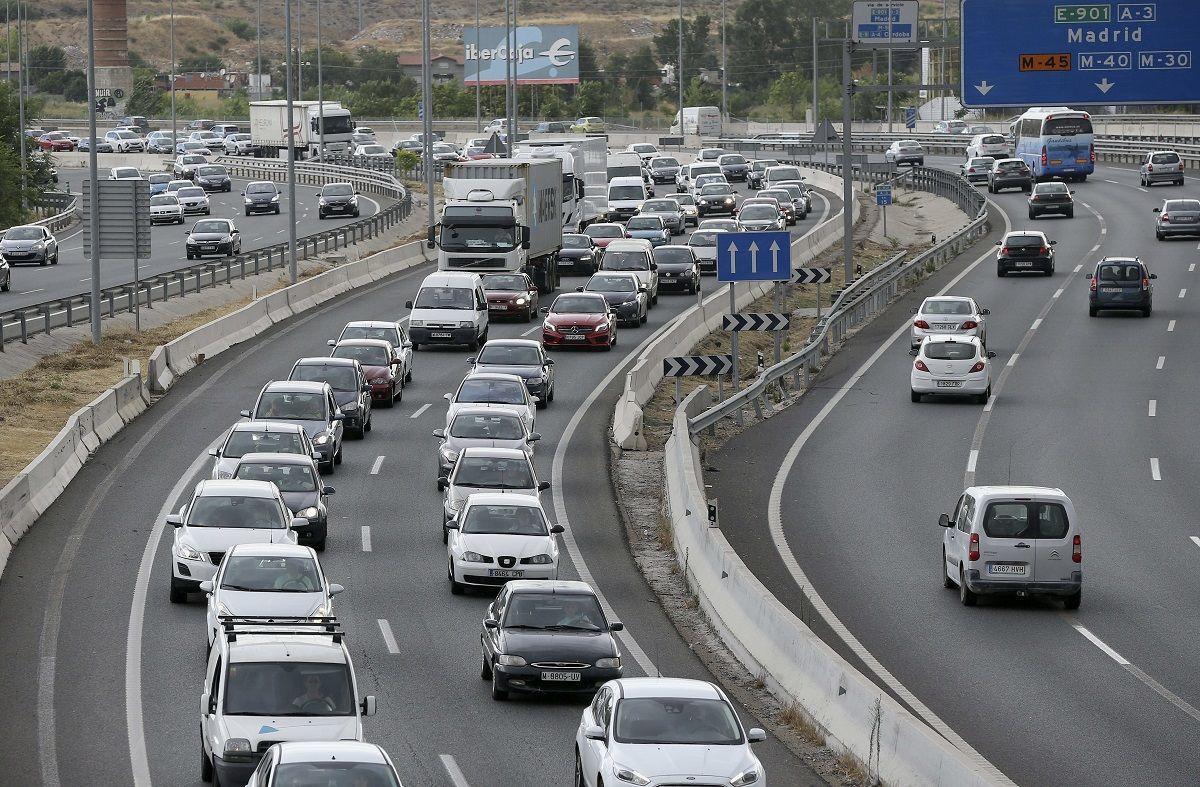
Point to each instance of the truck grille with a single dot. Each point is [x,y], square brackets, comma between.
[476,262]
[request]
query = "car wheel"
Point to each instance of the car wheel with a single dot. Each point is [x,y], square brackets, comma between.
[398,394]
[247,211]
[1158,235]
[983,397]
[178,594]
[1092,311]
[55,257]
[1032,215]
[1071,213]
[7,285]
[541,404]
[319,545]
[1072,601]
[45,260]
[456,588]
[947,582]
[642,320]
[415,346]
[654,300]
[337,458]
[206,766]
[1000,272]
[578,771]
[276,210]
[965,596]
[485,669]
[368,426]
[498,694]
[1146,312]
[408,374]
[914,396]
[327,468]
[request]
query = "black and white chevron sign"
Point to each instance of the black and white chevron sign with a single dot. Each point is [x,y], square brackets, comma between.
[755,322]
[697,365]
[811,275]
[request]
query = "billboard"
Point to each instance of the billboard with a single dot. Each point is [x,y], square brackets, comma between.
[545,55]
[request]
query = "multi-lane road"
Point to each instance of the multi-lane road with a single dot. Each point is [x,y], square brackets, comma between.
[102,674]
[851,481]
[73,275]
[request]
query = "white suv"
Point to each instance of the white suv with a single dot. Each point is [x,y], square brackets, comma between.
[1017,540]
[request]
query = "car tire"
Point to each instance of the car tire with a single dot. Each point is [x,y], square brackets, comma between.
[642,320]
[337,458]
[55,257]
[178,594]
[914,396]
[456,588]
[1000,272]
[45,260]
[327,468]
[965,596]
[1032,215]
[7,285]
[1071,213]
[947,582]
[1146,311]
[654,299]
[1093,311]
[206,766]
[983,397]
[1158,235]
[320,545]
[247,211]
[541,404]
[1072,601]
[498,694]
[276,210]
[485,668]
[408,374]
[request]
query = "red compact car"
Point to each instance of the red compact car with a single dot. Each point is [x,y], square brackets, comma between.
[56,141]
[605,233]
[510,295]
[379,365]
[580,319]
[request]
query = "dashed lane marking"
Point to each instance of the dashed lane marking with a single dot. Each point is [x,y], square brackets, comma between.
[421,409]
[389,640]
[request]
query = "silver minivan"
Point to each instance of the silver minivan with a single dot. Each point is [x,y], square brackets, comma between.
[1017,540]
[1161,166]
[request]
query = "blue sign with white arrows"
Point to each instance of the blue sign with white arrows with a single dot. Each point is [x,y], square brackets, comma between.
[1062,53]
[754,256]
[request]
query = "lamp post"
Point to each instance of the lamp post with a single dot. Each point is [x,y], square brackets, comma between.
[320,100]
[293,274]
[171,77]
[679,72]
[93,173]
[478,115]
[258,46]
[427,125]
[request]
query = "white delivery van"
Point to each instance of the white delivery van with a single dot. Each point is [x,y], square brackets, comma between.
[704,121]
[450,308]
[625,197]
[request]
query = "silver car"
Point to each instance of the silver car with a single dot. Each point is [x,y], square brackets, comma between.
[1177,217]
[258,437]
[29,243]
[483,427]
[669,209]
[481,469]
[948,314]
[1161,166]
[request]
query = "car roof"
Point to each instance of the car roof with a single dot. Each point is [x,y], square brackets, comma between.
[295,386]
[681,246]
[630,244]
[276,459]
[1015,491]
[513,343]
[488,410]
[493,453]
[363,343]
[932,298]
[449,278]
[370,324]
[326,360]
[282,646]
[667,687]
[343,751]
[236,486]
[273,550]
[627,180]
[1018,233]
[565,586]
[265,425]
[493,376]
[950,338]
[624,274]
[503,499]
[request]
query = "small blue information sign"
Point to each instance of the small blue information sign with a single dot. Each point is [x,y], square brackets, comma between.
[883,194]
[910,117]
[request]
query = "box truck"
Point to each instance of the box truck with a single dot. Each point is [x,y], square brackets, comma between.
[703,121]
[585,199]
[268,128]
[501,215]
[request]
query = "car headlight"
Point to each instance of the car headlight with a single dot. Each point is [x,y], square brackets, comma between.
[223,610]
[728,200]
[242,746]
[249,201]
[321,439]
[521,301]
[416,323]
[321,201]
[609,663]
[472,557]
[602,326]
[39,246]
[322,610]
[450,455]
[189,552]
[586,257]
[509,660]
[454,504]
[275,198]
[549,326]
[465,324]
[629,775]
[538,560]
[309,513]
[748,776]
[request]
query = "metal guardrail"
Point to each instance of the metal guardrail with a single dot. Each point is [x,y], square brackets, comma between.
[21,323]
[389,167]
[866,297]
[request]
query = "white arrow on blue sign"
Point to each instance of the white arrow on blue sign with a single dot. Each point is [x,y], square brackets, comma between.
[754,256]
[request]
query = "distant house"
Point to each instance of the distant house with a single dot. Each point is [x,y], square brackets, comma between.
[446,68]
[10,71]
[206,90]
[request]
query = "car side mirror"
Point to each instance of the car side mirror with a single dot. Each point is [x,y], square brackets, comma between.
[913,351]
[408,304]
[1158,210]
[447,397]
[944,520]
[1053,243]
[1153,275]
[557,529]
[997,243]
[1087,275]
[533,438]
[471,361]
[335,589]
[641,289]
[175,520]
[913,310]
[206,586]
[368,705]
[245,413]
[985,312]
[366,387]
[1072,191]
[594,732]
[214,452]
[491,623]
[616,626]
[544,310]
[299,522]
[206,705]
[654,266]
[439,433]
[331,342]
[452,524]
[328,490]
[549,362]
[991,354]
[755,735]
[338,417]
[442,484]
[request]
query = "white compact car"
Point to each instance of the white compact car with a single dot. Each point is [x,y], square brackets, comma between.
[165,209]
[664,731]
[945,314]
[489,470]
[990,145]
[952,365]
[492,390]
[334,762]
[498,537]
[1013,540]
[193,199]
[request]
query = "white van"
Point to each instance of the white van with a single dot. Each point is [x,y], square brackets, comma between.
[636,256]
[705,121]
[450,308]
[625,197]
[275,680]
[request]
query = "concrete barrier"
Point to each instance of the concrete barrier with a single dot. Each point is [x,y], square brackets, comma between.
[131,398]
[105,418]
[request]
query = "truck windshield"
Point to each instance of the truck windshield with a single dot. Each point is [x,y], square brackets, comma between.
[288,688]
[336,124]
[475,238]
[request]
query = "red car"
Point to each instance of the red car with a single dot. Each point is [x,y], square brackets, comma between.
[56,141]
[379,364]
[579,320]
[510,295]
[605,233]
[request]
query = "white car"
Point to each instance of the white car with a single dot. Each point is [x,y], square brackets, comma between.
[905,151]
[220,515]
[124,173]
[952,365]
[683,181]
[703,243]
[498,537]
[990,145]
[125,142]
[700,181]
[721,225]
[372,151]
[238,145]
[492,389]
[489,470]
[644,150]
[268,580]
[194,200]
[258,437]
[664,731]
[174,186]
[355,760]
[165,209]
[946,314]
[209,138]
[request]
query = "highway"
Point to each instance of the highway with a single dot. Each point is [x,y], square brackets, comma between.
[73,275]
[849,483]
[104,673]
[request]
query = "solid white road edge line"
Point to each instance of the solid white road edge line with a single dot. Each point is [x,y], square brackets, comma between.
[389,640]
[421,409]
[1112,654]
[1195,540]
[453,771]
[972,458]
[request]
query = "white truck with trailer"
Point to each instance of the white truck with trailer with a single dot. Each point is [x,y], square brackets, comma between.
[501,215]
[269,131]
[584,162]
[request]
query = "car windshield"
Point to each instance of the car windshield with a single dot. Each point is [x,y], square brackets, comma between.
[1025,519]
[485,391]
[213,170]
[209,226]
[943,306]
[681,721]
[661,163]
[950,351]
[244,442]
[337,190]
[705,169]
[126,172]
[236,511]
[456,237]
[643,147]
[334,773]
[582,242]
[573,304]
[605,231]
[176,185]
[505,282]
[194,159]
[24,233]
[732,158]
[1164,158]
[160,177]
[291,406]
[487,427]
[127,135]
[1185,205]
[706,238]
[626,192]
[366,354]
[660,206]
[764,165]
[554,611]
[164,199]
[783,173]
[1129,272]
[460,298]
[626,261]
[261,188]
[288,478]
[715,189]
[673,256]
[782,195]
[986,163]
[600,283]
[644,223]
[992,139]
[510,355]
[1051,188]
[1066,126]
[504,520]
[483,472]
[288,688]
[190,191]
[375,149]
[685,199]
[754,212]
[340,378]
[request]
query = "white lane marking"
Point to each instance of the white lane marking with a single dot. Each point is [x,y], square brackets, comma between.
[366,538]
[89,278]
[1139,188]
[378,464]
[1161,360]
[775,524]
[1192,267]
[972,458]
[1013,360]
[1058,292]
[1079,267]
[453,771]
[1104,230]
[1195,540]
[385,629]
[1036,324]
[532,330]
[30,292]
[987,408]
[1183,292]
[1153,408]
[1112,654]
[421,409]
[1155,474]
[1114,182]
[1170,326]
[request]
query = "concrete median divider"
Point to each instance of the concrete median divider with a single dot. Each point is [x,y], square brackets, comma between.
[106,421]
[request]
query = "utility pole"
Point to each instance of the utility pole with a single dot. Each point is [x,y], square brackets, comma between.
[22,64]
[516,77]
[8,42]
[427,97]
[93,173]
[258,44]
[847,168]
[478,115]
[724,84]
[174,123]
[360,24]
[299,49]
[510,82]
[320,101]
[889,103]
[814,74]
[293,274]
[679,73]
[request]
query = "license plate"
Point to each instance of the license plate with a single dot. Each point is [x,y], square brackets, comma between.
[948,383]
[572,338]
[944,326]
[1028,264]
[440,334]
[570,677]
[1055,161]
[1007,569]
[1183,220]
[1110,289]
[506,573]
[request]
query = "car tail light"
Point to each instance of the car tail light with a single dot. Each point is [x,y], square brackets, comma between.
[972,169]
[969,324]
[920,366]
[1145,283]
[1043,156]
[1093,284]
[921,324]
[1044,250]
[973,549]
[1003,251]
[1076,550]
[978,367]
[1092,150]
[1149,167]
[1166,218]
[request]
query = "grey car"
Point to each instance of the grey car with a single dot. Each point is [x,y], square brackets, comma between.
[734,166]
[629,301]
[312,406]
[482,427]
[5,276]
[213,236]
[1052,197]
[1161,166]
[258,437]
[351,390]
[261,196]
[212,177]
[337,199]
[298,480]
[523,357]
[29,243]
[670,211]
[1009,173]
[663,169]
[1177,217]
[1123,283]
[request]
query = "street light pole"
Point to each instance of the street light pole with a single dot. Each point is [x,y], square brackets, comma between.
[427,126]
[93,173]
[814,74]
[320,100]
[22,23]
[724,84]
[293,274]
[478,115]
[299,49]
[258,45]
[679,74]
[509,81]
[171,76]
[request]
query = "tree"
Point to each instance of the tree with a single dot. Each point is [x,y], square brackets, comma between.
[698,51]
[641,74]
[205,63]
[770,37]
[46,62]
[589,66]
[701,94]
[589,99]
[37,168]
[146,98]
[791,93]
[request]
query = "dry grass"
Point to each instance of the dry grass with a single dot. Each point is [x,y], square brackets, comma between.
[795,718]
[852,771]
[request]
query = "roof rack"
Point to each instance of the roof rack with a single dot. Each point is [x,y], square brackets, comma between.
[319,626]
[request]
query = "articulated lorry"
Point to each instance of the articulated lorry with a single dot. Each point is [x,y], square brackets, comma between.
[501,215]
[269,131]
[585,179]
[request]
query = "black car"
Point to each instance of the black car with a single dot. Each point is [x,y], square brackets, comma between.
[1051,197]
[351,391]
[1025,251]
[677,268]
[663,169]
[213,236]
[628,300]
[548,636]
[261,196]
[578,255]
[525,358]
[212,177]
[734,166]
[1121,283]
[1010,173]
[299,482]
[337,199]
[757,173]
[716,198]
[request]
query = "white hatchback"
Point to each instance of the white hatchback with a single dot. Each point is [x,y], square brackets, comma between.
[945,314]
[952,365]
[991,145]
[498,537]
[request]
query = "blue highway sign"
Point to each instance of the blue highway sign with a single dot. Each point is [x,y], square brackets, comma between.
[910,117]
[883,194]
[754,256]
[1057,53]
